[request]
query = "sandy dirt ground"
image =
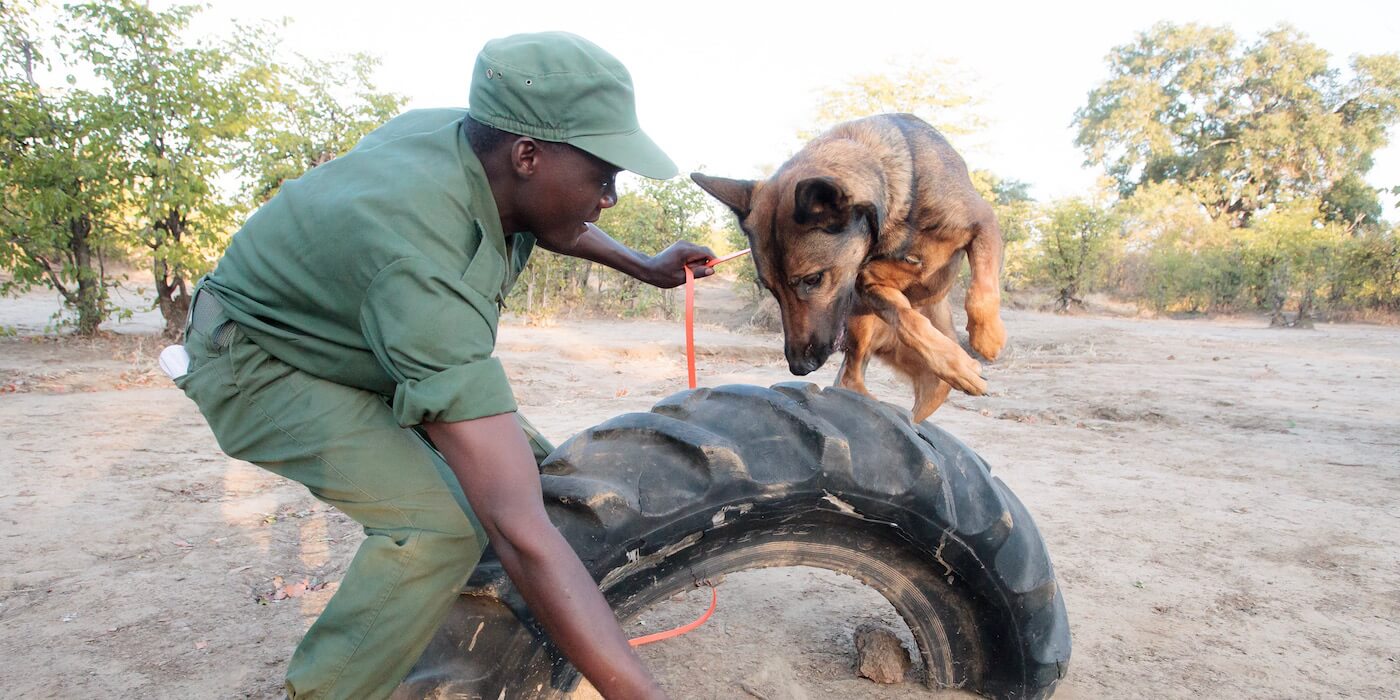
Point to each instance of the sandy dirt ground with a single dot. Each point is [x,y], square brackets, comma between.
[1220,501]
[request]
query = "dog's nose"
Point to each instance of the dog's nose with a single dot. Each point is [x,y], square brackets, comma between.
[805,360]
[798,362]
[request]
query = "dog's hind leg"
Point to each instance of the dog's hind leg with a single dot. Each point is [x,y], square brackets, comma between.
[929,393]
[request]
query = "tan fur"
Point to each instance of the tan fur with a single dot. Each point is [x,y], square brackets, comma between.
[889,290]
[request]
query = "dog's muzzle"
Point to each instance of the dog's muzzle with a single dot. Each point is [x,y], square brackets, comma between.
[808,359]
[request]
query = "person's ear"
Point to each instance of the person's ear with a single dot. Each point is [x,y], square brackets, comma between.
[525,156]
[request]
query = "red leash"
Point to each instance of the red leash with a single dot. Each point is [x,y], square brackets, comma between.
[690,313]
[690,373]
[648,639]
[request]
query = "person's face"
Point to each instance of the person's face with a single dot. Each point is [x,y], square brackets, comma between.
[567,189]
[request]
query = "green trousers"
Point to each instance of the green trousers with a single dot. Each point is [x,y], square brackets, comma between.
[344,445]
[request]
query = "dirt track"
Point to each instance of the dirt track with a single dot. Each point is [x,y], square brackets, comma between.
[1220,501]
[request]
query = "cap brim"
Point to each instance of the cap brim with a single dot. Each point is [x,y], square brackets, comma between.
[634,151]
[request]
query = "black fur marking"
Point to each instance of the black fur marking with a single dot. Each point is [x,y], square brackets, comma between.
[821,202]
[903,126]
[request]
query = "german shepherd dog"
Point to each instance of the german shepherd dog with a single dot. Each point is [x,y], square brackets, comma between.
[859,237]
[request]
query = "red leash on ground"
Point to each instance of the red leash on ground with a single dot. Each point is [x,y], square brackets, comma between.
[648,639]
[690,313]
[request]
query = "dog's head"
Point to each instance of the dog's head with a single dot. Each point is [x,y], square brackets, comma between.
[809,236]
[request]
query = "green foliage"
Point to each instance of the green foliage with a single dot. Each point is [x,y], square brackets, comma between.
[1292,259]
[1011,192]
[145,161]
[60,175]
[1296,256]
[1353,204]
[310,112]
[1175,257]
[183,105]
[1370,267]
[935,91]
[1243,127]
[1075,244]
[1241,170]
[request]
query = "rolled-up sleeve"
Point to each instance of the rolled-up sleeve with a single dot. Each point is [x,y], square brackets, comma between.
[434,336]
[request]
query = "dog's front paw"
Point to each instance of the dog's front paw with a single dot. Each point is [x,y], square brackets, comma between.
[965,374]
[855,385]
[988,338]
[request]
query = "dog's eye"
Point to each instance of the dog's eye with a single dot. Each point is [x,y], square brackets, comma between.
[811,280]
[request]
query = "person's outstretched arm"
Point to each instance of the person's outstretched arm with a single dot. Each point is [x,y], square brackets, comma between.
[661,270]
[493,462]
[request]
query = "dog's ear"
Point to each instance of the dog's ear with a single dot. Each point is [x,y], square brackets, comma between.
[735,194]
[821,202]
[874,218]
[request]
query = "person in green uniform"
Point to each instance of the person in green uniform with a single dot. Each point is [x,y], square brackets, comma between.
[363,300]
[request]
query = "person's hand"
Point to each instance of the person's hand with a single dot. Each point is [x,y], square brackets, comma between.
[667,268]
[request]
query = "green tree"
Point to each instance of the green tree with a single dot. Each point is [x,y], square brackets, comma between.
[1353,204]
[1244,127]
[182,107]
[1299,256]
[310,112]
[60,174]
[642,222]
[684,211]
[143,159]
[1075,244]
[1371,266]
[1175,257]
[935,91]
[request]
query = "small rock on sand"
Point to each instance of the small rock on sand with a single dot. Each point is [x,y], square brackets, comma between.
[880,656]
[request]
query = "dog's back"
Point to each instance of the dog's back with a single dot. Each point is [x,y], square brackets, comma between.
[924,182]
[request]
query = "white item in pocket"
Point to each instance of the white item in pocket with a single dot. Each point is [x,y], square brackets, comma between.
[174,361]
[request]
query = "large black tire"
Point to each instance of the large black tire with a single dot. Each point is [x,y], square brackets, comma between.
[713,481]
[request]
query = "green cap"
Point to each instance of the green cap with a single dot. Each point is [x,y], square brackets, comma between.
[560,87]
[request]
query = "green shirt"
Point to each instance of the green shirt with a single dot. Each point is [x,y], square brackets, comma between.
[384,269]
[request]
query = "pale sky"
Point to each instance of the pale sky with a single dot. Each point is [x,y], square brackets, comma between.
[727,84]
